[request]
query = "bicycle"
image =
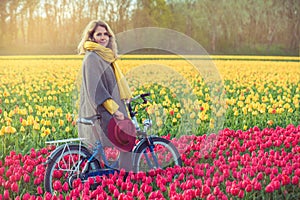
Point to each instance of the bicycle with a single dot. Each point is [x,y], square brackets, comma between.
[73,159]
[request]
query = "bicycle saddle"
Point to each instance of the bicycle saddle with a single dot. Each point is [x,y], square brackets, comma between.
[88,120]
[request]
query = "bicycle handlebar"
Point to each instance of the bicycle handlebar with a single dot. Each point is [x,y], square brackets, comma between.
[142,96]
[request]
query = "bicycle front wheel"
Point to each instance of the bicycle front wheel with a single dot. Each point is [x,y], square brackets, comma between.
[66,165]
[161,154]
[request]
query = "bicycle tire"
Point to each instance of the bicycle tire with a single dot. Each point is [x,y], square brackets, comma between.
[60,156]
[140,163]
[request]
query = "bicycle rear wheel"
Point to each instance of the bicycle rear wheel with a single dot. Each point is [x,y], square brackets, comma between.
[66,165]
[163,154]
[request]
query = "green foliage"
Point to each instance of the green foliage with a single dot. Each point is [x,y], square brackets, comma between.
[221,27]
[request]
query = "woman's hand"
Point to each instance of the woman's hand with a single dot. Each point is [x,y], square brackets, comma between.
[119,115]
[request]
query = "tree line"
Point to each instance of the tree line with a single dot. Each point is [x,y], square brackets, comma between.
[269,27]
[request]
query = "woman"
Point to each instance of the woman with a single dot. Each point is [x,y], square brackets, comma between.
[103,88]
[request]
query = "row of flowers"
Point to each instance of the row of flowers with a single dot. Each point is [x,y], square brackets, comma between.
[251,164]
[38,96]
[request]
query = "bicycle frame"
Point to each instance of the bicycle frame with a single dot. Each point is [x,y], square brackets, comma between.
[99,147]
[74,159]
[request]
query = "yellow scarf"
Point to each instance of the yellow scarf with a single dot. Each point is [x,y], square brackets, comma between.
[108,55]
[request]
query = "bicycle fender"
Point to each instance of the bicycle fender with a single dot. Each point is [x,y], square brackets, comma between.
[58,149]
[139,144]
[136,147]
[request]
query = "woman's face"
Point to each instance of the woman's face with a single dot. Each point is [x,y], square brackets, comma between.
[101,36]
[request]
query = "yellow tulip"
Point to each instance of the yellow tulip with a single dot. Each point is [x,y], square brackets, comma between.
[236,113]
[174,120]
[10,129]
[159,121]
[2,131]
[192,115]
[48,122]
[36,126]
[22,129]
[24,123]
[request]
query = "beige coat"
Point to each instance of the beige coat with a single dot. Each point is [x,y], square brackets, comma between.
[98,84]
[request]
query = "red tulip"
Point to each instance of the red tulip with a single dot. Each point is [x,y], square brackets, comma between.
[57,185]
[171,112]
[241,194]
[37,181]
[39,190]
[65,187]
[216,191]
[285,180]
[248,188]
[234,191]
[14,187]
[260,176]
[76,183]
[57,174]
[295,180]
[48,196]
[26,196]
[205,190]
[269,188]
[297,172]
[116,193]
[2,170]
[141,195]
[257,186]
[6,194]
[276,185]
[7,184]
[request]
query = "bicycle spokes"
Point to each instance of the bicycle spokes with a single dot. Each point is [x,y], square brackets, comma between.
[68,167]
[156,156]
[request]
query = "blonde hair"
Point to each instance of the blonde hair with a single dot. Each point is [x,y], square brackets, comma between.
[88,32]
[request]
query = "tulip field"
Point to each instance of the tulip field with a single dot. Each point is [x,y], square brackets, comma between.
[244,144]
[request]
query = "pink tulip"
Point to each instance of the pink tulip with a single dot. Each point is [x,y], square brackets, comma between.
[276,185]
[211,197]
[269,188]
[248,188]
[57,185]
[257,186]
[26,178]
[14,187]
[57,174]
[285,180]
[260,176]
[205,190]
[141,195]
[6,194]
[2,170]
[234,191]
[65,187]
[295,180]
[26,196]
[241,194]
[297,172]
[39,190]
[116,193]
